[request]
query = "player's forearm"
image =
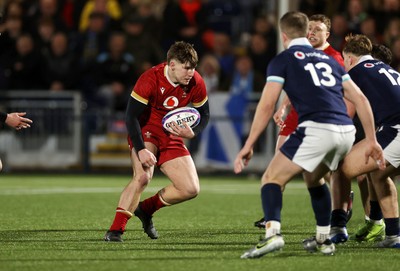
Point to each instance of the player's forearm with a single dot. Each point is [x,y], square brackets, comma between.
[133,111]
[204,111]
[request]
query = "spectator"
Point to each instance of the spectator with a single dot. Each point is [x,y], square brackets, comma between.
[209,69]
[13,28]
[355,15]
[46,9]
[185,20]
[223,50]
[264,27]
[339,30]
[144,47]
[260,52]
[244,83]
[392,31]
[44,33]
[395,48]
[111,10]
[23,69]
[92,41]
[115,74]
[59,65]
[368,28]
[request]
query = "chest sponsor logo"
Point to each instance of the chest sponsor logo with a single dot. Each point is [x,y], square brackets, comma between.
[299,55]
[171,102]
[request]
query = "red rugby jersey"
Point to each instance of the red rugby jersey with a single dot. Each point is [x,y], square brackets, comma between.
[161,95]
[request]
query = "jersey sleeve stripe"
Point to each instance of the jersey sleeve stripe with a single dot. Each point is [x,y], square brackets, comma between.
[139,98]
[276,79]
[345,77]
[201,103]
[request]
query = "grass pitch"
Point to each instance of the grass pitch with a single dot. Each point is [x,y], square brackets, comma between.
[57,223]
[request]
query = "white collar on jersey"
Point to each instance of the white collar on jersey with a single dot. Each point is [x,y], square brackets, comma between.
[299,41]
[364,58]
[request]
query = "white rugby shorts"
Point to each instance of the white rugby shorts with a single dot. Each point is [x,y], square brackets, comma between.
[389,139]
[313,143]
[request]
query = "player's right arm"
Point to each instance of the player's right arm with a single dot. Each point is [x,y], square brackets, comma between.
[263,114]
[133,112]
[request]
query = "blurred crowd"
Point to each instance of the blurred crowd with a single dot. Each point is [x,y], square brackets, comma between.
[100,47]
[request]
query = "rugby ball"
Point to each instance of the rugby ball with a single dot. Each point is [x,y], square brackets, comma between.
[182,114]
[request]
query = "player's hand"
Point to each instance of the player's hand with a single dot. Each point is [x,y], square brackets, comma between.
[182,130]
[242,159]
[374,150]
[278,117]
[147,158]
[17,120]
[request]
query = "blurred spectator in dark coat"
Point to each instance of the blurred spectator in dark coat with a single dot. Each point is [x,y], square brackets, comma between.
[59,70]
[260,52]
[339,31]
[13,28]
[142,45]
[23,69]
[115,73]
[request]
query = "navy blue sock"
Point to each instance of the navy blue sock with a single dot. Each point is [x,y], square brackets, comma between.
[339,218]
[375,212]
[271,198]
[321,203]
[392,226]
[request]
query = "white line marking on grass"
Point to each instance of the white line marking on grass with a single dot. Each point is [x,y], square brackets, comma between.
[227,188]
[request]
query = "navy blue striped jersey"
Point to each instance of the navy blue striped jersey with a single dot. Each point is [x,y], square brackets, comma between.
[313,82]
[380,83]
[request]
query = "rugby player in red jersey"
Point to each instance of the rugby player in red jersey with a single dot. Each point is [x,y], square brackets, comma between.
[319,27]
[159,90]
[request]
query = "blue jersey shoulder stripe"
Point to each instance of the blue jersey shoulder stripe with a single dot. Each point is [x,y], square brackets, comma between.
[276,79]
[345,77]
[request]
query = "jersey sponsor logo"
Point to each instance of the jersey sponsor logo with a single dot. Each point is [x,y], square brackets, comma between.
[299,55]
[368,65]
[162,89]
[171,102]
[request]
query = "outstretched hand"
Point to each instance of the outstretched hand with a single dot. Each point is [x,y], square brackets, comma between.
[16,120]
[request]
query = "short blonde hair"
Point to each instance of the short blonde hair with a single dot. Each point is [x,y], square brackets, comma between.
[294,24]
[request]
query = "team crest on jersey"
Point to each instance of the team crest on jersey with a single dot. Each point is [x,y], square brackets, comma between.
[171,102]
[368,65]
[299,55]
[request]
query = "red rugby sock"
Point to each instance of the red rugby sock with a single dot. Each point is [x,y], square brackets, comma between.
[121,218]
[152,204]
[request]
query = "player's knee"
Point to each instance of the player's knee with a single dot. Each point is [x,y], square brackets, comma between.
[192,192]
[144,179]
